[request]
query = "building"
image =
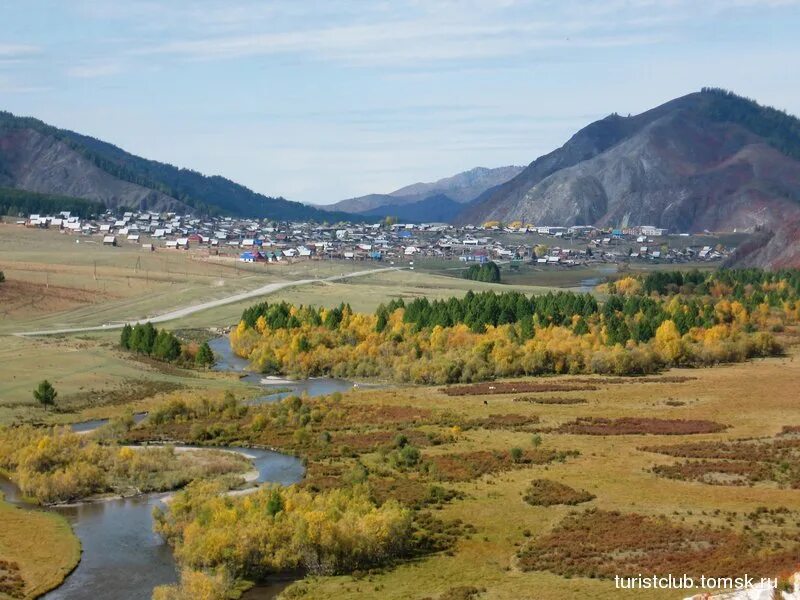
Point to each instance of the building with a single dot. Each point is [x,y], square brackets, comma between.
[651,231]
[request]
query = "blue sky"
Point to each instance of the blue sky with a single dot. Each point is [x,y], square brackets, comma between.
[320,101]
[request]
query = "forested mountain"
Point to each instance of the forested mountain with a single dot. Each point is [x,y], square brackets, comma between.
[709,160]
[38,157]
[435,201]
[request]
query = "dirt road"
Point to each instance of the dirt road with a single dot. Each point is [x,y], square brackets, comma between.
[189,310]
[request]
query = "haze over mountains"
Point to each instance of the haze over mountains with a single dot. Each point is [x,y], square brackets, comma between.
[440,200]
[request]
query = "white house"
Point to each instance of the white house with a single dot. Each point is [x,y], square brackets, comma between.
[652,231]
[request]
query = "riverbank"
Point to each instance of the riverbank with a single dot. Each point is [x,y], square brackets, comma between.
[42,547]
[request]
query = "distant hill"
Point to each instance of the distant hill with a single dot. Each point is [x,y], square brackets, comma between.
[709,160]
[459,189]
[433,209]
[40,158]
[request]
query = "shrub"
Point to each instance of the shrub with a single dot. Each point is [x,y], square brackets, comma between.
[545,492]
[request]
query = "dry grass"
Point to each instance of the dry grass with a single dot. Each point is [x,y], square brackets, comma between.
[40,544]
[755,399]
[93,379]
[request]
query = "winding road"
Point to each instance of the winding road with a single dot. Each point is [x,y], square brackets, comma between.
[189,310]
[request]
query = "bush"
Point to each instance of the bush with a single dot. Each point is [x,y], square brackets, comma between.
[282,529]
[544,492]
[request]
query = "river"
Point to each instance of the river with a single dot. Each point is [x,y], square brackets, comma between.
[122,557]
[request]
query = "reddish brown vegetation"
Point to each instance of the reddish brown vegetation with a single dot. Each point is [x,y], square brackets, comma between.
[551,400]
[370,441]
[546,492]
[509,421]
[471,465]
[515,387]
[375,414]
[719,472]
[598,543]
[638,426]
[734,463]
[320,477]
[562,385]
[11,582]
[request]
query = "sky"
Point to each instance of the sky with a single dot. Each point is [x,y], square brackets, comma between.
[325,100]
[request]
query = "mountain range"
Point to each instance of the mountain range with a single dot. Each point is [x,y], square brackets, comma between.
[440,200]
[37,157]
[710,160]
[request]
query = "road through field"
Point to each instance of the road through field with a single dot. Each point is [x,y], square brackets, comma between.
[188,310]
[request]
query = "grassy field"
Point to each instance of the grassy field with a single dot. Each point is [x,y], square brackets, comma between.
[56,280]
[53,282]
[756,399]
[41,544]
[93,377]
[362,293]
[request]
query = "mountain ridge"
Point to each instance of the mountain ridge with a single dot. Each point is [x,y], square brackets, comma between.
[38,157]
[708,160]
[460,188]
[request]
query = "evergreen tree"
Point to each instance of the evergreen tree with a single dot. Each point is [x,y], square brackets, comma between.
[45,394]
[204,356]
[125,337]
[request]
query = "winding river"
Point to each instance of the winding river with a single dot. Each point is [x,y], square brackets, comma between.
[122,557]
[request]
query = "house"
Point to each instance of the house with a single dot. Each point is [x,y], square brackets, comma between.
[133,237]
[148,247]
[251,257]
[649,230]
[109,240]
[182,243]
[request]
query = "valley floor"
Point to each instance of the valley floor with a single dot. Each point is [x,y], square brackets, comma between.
[756,399]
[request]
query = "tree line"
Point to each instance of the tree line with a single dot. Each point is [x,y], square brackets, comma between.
[698,320]
[488,272]
[16,202]
[163,345]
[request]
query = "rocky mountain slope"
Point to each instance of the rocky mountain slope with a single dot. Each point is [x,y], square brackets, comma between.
[709,160]
[40,158]
[460,188]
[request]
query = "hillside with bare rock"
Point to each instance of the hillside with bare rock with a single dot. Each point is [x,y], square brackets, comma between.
[710,160]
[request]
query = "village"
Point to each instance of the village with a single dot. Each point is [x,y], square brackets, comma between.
[267,241]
